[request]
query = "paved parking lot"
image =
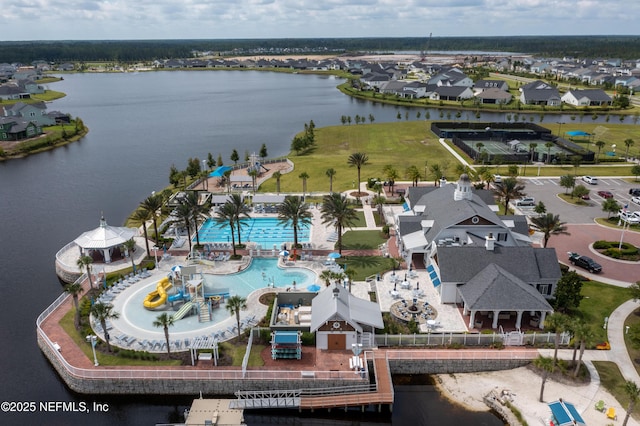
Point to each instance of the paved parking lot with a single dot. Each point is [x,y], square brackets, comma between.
[581,223]
[547,190]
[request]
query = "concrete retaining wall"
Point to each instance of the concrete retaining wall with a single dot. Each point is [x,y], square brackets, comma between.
[446,366]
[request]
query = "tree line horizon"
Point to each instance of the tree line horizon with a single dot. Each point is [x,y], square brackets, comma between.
[57,51]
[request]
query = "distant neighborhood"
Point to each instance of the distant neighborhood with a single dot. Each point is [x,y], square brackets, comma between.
[20,120]
[402,79]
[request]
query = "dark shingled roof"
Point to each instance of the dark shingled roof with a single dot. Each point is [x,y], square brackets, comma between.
[495,288]
[531,265]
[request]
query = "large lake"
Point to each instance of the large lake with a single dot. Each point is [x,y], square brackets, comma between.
[141,124]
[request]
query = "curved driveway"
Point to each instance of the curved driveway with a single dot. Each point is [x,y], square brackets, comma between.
[580,240]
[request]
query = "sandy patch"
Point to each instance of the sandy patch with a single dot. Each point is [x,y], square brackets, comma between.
[523,384]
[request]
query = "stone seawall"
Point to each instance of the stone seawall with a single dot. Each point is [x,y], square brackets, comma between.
[446,366]
[165,386]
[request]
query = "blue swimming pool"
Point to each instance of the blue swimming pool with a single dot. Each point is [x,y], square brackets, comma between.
[260,274]
[266,231]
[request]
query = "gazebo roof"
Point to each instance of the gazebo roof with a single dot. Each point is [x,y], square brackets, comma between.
[105,236]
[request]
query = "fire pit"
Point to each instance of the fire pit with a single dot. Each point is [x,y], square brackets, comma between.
[418,310]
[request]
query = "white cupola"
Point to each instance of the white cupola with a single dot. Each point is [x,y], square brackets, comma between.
[463,188]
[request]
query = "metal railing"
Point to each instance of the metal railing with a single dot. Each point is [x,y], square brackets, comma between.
[463,339]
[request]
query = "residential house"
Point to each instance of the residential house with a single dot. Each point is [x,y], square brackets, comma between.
[588,97]
[16,129]
[12,92]
[539,93]
[481,85]
[494,96]
[36,112]
[451,77]
[474,257]
[451,93]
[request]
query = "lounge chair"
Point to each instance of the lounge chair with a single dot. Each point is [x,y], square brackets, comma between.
[600,406]
[611,413]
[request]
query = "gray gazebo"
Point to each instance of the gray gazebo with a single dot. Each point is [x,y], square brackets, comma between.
[500,293]
[102,242]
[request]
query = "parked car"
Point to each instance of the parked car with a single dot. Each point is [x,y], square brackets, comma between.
[635,192]
[627,216]
[584,262]
[585,197]
[635,200]
[590,180]
[605,194]
[497,178]
[526,201]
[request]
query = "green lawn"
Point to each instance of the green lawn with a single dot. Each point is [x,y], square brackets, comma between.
[362,240]
[398,144]
[599,301]
[103,358]
[613,381]
[366,266]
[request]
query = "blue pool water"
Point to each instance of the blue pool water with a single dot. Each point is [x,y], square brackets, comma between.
[260,274]
[266,231]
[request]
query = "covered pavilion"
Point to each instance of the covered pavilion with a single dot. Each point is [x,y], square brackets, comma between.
[104,243]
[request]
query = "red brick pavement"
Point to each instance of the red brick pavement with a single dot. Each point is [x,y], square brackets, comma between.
[582,236]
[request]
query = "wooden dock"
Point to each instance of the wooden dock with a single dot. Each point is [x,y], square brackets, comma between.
[383,394]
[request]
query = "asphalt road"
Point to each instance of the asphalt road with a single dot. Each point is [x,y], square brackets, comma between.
[582,227]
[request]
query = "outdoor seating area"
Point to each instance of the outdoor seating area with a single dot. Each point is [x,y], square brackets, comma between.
[417,310]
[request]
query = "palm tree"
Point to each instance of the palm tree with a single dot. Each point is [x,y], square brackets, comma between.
[479,147]
[74,289]
[545,364]
[304,176]
[532,148]
[327,276]
[254,179]
[294,212]
[628,143]
[183,217]
[152,206]
[226,216]
[103,312]
[413,174]
[142,216]
[583,334]
[241,213]
[633,392]
[392,175]
[331,172]
[549,145]
[599,145]
[358,159]
[85,262]
[336,211]
[197,213]
[548,224]
[234,305]
[165,321]
[130,244]
[277,175]
[508,189]
[558,323]
[437,172]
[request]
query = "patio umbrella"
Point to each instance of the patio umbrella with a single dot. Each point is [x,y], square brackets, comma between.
[313,287]
[334,255]
[284,253]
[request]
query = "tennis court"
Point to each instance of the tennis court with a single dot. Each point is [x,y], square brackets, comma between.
[516,146]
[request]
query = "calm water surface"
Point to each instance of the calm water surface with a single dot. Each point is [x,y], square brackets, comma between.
[141,124]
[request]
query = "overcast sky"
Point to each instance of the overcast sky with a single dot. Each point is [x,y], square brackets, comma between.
[214,19]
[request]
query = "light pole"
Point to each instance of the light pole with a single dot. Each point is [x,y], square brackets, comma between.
[93,339]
